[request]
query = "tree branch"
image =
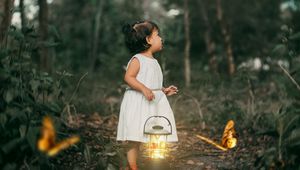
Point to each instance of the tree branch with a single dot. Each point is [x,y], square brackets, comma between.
[289,75]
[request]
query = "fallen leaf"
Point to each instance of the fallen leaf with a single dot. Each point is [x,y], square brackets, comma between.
[190,162]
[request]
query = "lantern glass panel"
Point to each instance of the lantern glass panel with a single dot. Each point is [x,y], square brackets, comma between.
[157,146]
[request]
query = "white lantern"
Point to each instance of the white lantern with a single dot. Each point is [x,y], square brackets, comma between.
[157,128]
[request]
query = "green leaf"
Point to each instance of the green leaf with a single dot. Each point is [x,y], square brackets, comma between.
[110,153]
[22,130]
[279,50]
[54,107]
[16,114]
[32,136]
[52,44]
[3,53]
[49,79]
[3,119]
[87,154]
[9,146]
[34,85]
[111,167]
[44,74]
[292,123]
[294,138]
[27,30]
[1,159]
[49,44]
[10,166]
[8,96]
[269,155]
[3,75]
[295,36]
[53,31]
[16,35]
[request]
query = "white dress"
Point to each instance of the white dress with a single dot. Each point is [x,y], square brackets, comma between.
[136,109]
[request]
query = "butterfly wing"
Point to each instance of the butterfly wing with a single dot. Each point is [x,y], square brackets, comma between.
[48,135]
[62,145]
[228,138]
[47,142]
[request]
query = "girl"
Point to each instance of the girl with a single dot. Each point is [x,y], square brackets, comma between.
[146,96]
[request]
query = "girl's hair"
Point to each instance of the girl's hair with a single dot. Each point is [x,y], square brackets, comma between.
[136,33]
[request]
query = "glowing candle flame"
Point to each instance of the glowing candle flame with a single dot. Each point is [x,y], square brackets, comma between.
[157,147]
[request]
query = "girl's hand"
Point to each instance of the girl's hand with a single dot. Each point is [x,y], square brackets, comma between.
[148,94]
[171,90]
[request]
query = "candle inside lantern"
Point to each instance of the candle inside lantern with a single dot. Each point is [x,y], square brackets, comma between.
[157,146]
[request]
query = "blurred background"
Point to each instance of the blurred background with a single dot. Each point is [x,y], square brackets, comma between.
[230,59]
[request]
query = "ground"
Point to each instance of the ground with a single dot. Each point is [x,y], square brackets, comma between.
[98,149]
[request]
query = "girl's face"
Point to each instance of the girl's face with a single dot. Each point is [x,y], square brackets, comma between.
[155,41]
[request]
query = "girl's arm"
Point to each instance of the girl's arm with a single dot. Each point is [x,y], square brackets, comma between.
[130,79]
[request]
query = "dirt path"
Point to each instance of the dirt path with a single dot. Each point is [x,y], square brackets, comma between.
[192,153]
[97,148]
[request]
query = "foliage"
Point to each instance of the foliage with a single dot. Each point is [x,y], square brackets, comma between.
[286,129]
[26,96]
[285,155]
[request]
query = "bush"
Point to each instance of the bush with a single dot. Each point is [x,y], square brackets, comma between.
[26,96]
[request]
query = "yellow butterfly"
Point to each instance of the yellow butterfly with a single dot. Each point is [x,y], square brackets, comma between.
[229,139]
[47,142]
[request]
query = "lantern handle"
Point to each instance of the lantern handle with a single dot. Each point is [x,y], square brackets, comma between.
[159,117]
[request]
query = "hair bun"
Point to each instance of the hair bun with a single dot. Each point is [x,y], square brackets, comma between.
[135,35]
[127,29]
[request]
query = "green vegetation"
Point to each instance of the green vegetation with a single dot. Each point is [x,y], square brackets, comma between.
[67,60]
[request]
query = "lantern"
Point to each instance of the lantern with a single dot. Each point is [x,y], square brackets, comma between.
[157,128]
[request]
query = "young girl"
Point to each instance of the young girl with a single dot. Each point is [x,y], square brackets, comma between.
[146,95]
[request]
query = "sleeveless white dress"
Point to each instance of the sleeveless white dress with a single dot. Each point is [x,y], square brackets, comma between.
[136,109]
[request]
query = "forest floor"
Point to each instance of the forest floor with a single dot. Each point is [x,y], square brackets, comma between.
[95,152]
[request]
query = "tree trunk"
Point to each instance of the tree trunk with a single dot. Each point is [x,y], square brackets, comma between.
[227,38]
[210,44]
[146,5]
[187,67]
[6,8]
[43,33]
[96,33]
[23,17]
